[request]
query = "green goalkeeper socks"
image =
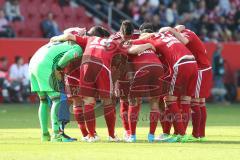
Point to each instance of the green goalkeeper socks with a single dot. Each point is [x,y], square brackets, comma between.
[54,115]
[43,116]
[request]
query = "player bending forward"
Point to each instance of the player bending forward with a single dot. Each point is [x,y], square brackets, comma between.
[44,75]
[204,81]
[183,77]
[97,73]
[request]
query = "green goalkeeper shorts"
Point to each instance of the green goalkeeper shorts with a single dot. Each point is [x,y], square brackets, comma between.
[44,82]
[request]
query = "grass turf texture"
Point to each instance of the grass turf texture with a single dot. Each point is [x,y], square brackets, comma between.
[20,139]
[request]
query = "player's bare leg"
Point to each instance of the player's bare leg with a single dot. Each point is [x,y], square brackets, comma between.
[79,116]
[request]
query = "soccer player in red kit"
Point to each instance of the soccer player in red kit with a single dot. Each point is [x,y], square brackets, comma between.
[148,82]
[204,81]
[183,76]
[128,112]
[96,76]
[71,77]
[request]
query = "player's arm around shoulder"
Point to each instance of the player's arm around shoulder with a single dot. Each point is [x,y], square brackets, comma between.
[74,52]
[64,37]
[137,49]
[176,32]
[78,49]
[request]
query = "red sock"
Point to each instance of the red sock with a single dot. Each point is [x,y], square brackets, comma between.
[162,120]
[110,118]
[167,121]
[124,114]
[133,113]
[185,115]
[154,116]
[196,120]
[89,115]
[177,118]
[203,121]
[79,117]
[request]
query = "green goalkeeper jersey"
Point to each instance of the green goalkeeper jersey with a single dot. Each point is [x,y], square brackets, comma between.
[44,62]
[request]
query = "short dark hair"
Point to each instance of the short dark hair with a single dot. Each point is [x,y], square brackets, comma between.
[17,58]
[96,31]
[146,28]
[106,33]
[127,28]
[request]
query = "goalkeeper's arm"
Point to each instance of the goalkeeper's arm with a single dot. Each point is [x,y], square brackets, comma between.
[75,52]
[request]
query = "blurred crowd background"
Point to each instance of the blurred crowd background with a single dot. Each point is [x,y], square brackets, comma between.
[210,19]
[213,20]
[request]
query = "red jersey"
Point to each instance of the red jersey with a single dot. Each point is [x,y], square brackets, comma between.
[169,48]
[101,49]
[196,46]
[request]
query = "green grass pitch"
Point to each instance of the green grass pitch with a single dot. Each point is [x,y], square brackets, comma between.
[20,139]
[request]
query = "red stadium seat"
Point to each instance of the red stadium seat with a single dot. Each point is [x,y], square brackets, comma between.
[44,9]
[56,9]
[67,24]
[32,30]
[32,12]
[65,17]
[79,13]
[19,28]
[2,3]
[68,13]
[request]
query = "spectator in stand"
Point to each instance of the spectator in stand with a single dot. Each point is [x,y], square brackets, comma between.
[237,25]
[12,10]
[172,14]
[50,27]
[5,29]
[4,80]
[26,81]
[184,6]
[16,75]
[225,6]
[218,90]
[202,16]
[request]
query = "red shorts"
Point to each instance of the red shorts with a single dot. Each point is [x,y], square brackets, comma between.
[148,76]
[72,77]
[204,83]
[184,79]
[95,81]
[122,88]
[71,81]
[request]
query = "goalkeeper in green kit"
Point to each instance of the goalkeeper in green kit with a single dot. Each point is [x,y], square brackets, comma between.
[44,68]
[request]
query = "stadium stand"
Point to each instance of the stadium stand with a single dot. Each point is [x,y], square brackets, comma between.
[222,21]
[34,11]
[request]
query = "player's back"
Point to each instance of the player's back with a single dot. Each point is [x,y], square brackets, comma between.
[102,50]
[52,52]
[196,46]
[170,47]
